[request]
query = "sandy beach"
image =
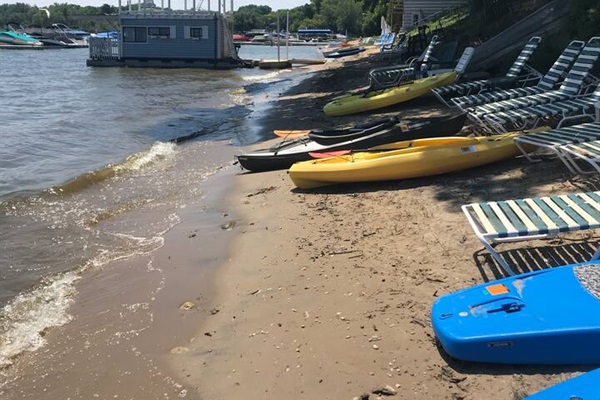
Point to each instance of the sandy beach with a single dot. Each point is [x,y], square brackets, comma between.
[327,293]
[320,294]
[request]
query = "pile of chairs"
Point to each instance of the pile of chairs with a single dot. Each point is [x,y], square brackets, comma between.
[567,94]
[385,77]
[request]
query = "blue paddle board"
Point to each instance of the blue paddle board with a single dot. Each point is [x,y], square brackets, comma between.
[582,387]
[547,317]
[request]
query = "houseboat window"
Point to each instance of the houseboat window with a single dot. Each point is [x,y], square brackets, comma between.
[159,32]
[134,34]
[415,19]
[196,33]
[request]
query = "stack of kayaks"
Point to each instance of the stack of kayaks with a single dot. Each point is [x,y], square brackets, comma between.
[287,152]
[375,99]
[583,387]
[403,160]
[545,317]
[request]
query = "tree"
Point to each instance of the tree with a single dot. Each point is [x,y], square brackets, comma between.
[251,17]
[106,9]
[317,5]
[344,15]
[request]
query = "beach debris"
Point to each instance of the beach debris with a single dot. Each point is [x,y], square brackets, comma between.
[228,226]
[386,390]
[262,191]
[374,338]
[179,350]
[214,311]
[255,292]
[418,322]
[449,375]
[187,306]
[193,235]
[364,396]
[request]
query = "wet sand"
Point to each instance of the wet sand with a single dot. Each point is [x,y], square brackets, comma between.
[276,293]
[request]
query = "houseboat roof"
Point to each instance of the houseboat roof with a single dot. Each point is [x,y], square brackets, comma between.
[172,14]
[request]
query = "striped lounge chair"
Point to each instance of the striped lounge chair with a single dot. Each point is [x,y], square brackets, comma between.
[530,117]
[556,139]
[570,88]
[588,152]
[519,72]
[548,82]
[533,218]
[385,77]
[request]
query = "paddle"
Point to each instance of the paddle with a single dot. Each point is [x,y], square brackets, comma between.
[328,154]
[376,149]
[291,134]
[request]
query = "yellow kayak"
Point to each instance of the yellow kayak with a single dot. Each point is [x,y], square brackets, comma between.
[352,104]
[408,159]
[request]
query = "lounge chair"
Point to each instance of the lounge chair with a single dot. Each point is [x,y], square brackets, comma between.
[519,74]
[572,86]
[387,39]
[548,82]
[393,50]
[558,140]
[530,117]
[385,77]
[588,152]
[533,218]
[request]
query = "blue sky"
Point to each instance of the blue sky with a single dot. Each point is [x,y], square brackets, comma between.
[177,4]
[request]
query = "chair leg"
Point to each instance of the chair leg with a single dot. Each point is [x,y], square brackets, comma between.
[525,153]
[566,155]
[501,261]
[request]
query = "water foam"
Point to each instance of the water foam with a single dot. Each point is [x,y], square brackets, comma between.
[24,321]
[29,315]
[158,152]
[262,78]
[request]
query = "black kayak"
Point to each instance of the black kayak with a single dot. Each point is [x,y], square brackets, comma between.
[285,153]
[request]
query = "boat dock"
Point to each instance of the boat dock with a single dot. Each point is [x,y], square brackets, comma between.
[25,47]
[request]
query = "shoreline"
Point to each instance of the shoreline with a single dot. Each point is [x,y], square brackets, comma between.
[327,293]
[324,293]
[155,302]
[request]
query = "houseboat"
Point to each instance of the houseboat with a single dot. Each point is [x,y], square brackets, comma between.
[160,37]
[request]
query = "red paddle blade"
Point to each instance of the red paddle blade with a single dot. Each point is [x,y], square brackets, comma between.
[327,154]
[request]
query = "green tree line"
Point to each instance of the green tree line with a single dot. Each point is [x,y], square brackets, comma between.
[355,17]
[69,14]
[352,17]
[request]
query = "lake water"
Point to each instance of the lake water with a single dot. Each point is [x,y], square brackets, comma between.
[85,151]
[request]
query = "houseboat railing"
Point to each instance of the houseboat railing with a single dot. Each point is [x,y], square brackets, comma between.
[104,48]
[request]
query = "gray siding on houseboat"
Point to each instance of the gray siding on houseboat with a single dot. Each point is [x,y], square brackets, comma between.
[177,44]
[425,8]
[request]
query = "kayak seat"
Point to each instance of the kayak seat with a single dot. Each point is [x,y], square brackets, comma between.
[532,218]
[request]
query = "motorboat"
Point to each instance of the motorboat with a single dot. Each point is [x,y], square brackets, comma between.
[13,37]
